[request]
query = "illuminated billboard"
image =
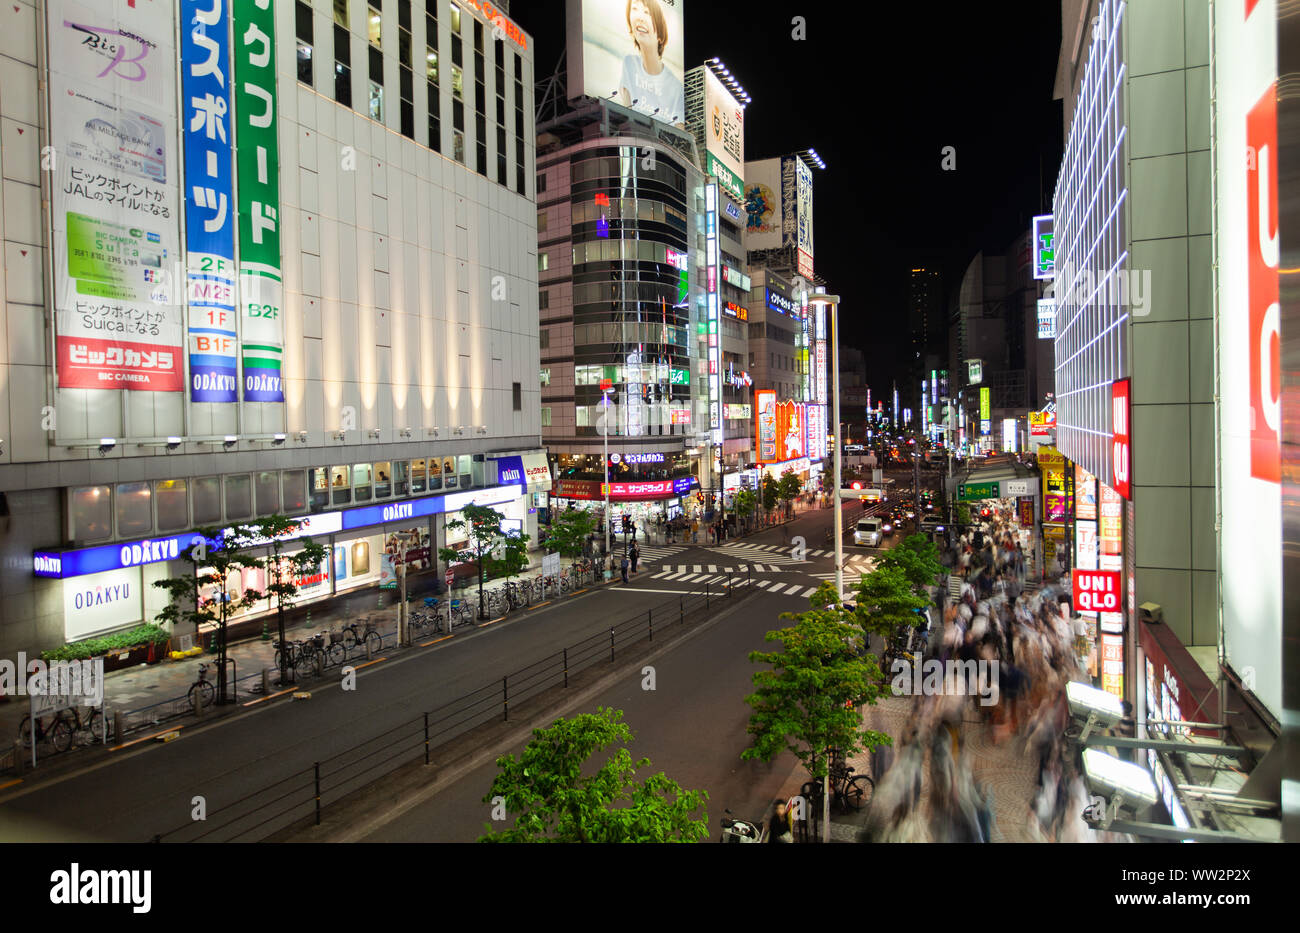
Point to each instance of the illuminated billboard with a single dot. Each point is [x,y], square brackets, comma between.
[1247,241]
[763,204]
[630,53]
[1043,247]
[765,424]
[724,136]
[1046,318]
[803,217]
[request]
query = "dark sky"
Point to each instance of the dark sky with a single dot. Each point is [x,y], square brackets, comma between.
[878,89]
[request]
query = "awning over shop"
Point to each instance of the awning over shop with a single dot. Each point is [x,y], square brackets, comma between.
[1000,480]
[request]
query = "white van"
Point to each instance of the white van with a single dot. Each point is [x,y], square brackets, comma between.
[868,532]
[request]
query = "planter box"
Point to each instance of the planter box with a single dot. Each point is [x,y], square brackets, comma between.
[130,657]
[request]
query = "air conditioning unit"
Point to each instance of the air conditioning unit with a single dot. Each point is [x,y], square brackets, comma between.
[1151,612]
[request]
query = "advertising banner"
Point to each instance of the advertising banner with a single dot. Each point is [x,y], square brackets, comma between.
[1096,590]
[789,201]
[1110,528]
[210,202]
[984,404]
[724,135]
[1248,252]
[630,53]
[1046,318]
[114,204]
[803,217]
[763,205]
[765,425]
[1085,492]
[1121,468]
[1051,463]
[261,290]
[791,433]
[1044,250]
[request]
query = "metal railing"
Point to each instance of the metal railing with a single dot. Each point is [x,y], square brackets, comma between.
[303,795]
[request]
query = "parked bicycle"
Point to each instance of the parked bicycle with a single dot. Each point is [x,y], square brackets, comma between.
[59,731]
[354,637]
[853,791]
[88,728]
[203,688]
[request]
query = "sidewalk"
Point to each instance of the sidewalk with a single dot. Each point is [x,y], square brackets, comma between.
[145,685]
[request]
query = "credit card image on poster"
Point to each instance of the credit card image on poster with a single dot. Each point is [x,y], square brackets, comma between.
[116,139]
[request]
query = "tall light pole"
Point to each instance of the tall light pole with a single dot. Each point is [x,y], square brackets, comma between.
[832,301]
[605,388]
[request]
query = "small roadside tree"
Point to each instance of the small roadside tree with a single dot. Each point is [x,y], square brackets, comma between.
[918,558]
[214,554]
[771,493]
[283,571]
[809,702]
[555,797]
[745,500]
[509,556]
[483,525]
[886,603]
[569,531]
[789,487]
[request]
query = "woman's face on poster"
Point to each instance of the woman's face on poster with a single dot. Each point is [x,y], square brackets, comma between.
[643,27]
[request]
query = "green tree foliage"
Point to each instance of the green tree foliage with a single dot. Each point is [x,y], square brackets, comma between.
[569,530]
[886,601]
[771,492]
[810,699]
[789,487]
[482,524]
[283,571]
[917,557]
[554,795]
[509,557]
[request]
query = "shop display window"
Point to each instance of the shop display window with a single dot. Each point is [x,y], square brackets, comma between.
[92,516]
[383,480]
[360,558]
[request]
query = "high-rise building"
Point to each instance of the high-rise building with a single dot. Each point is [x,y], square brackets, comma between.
[367,366]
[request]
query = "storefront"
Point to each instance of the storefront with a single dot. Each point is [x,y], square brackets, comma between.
[646,503]
[110,587]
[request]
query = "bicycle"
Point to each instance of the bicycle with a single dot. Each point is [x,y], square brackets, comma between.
[84,730]
[370,637]
[291,651]
[59,732]
[203,688]
[852,790]
[462,612]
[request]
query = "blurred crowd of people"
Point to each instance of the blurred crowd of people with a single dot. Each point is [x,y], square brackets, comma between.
[1034,640]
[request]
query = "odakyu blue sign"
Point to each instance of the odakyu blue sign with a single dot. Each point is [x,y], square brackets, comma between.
[79,563]
[510,471]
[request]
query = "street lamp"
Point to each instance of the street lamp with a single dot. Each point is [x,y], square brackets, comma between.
[606,387]
[819,297]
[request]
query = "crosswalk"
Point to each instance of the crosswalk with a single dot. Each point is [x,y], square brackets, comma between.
[701,575]
[651,553]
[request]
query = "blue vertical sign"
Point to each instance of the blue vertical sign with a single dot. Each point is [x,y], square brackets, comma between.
[209,199]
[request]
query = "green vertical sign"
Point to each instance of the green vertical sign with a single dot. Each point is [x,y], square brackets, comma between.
[261,289]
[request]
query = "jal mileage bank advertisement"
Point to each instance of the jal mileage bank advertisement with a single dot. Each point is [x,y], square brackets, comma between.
[631,53]
[1248,248]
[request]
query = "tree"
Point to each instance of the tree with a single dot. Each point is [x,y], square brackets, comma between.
[483,525]
[509,557]
[745,500]
[809,701]
[886,602]
[284,572]
[554,796]
[569,531]
[918,558]
[789,487]
[771,492]
[214,555]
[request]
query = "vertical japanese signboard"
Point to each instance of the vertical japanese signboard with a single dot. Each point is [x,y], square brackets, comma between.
[765,424]
[1121,467]
[803,218]
[209,206]
[116,237]
[261,289]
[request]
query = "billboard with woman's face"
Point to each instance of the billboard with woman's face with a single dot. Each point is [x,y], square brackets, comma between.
[630,52]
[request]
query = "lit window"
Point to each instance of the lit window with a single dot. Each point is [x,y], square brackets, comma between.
[376,102]
[373,24]
[431,65]
[455,18]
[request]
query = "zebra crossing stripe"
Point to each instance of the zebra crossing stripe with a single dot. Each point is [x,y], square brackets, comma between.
[661,575]
[699,569]
[808,592]
[713,568]
[726,570]
[762,584]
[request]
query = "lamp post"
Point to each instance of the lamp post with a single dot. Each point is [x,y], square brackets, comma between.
[820,297]
[605,387]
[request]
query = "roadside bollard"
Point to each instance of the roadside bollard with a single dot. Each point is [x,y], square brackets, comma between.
[117,726]
[196,701]
[20,764]
[266,680]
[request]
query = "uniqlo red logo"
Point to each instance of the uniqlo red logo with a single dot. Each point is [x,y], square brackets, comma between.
[1263,338]
[1121,467]
[1097,591]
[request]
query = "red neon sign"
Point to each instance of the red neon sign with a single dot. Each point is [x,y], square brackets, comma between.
[1096,591]
[1121,464]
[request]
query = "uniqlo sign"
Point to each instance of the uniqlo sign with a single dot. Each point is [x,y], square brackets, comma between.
[1263,339]
[1096,591]
[1120,446]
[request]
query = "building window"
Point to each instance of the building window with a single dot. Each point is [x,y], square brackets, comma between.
[342,65]
[134,503]
[340,485]
[543,300]
[376,102]
[544,339]
[383,480]
[457,83]
[361,481]
[546,417]
[207,500]
[320,489]
[172,504]
[267,492]
[431,65]
[376,65]
[374,24]
[543,261]
[92,515]
[399,477]
[294,487]
[239,497]
[458,147]
[341,13]
[458,115]
[455,19]
[517,391]
[435,124]
[302,16]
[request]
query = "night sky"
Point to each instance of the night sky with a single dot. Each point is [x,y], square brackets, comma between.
[879,93]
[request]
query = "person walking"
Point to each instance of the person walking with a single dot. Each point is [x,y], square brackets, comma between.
[635,555]
[623,565]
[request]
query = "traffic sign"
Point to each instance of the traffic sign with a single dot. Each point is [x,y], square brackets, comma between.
[450,576]
[967,492]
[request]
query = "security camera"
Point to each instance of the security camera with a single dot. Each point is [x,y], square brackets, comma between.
[173,443]
[106,444]
[230,441]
